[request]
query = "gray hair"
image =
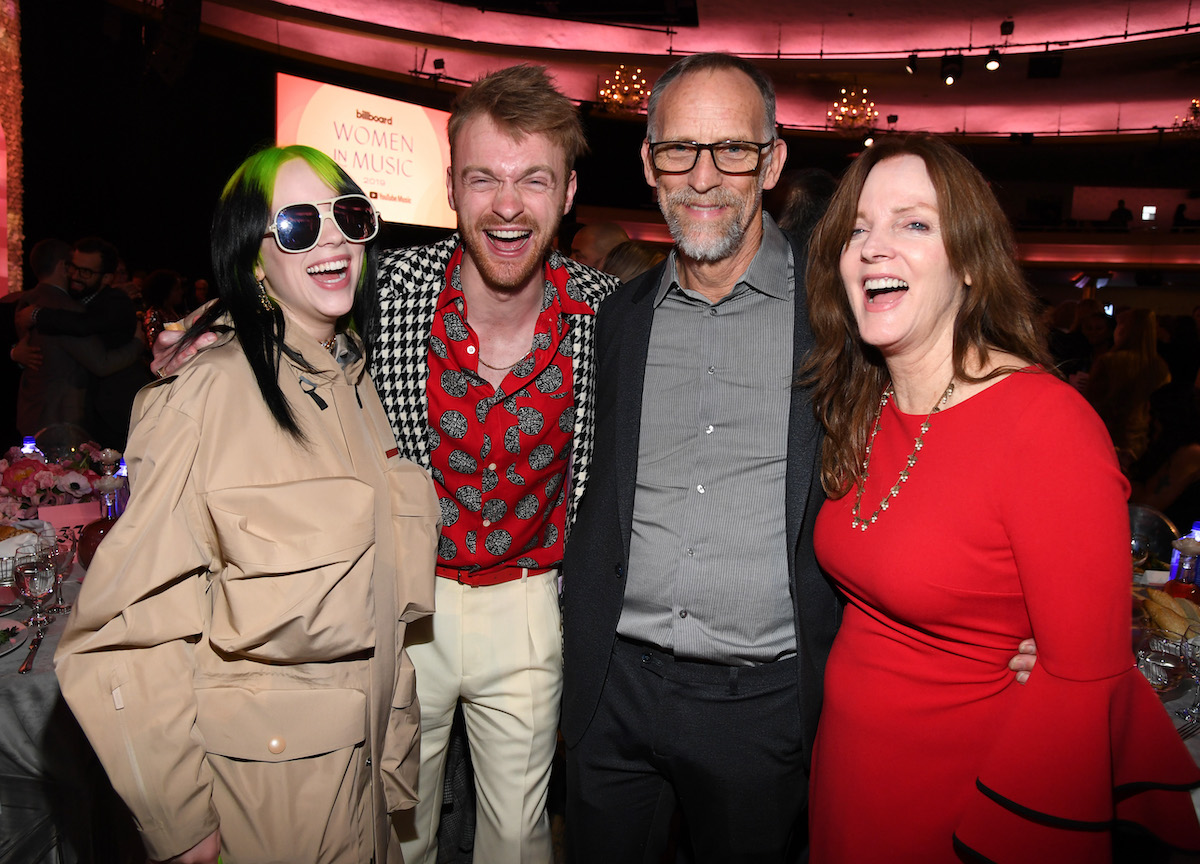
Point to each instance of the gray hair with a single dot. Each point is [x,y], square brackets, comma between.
[712,62]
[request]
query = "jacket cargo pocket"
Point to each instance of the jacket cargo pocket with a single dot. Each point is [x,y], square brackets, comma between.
[296,581]
[279,725]
[416,522]
[401,749]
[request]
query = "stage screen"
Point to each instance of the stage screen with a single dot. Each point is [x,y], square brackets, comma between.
[397,152]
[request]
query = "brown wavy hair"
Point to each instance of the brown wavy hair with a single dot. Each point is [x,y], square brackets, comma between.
[521,100]
[998,312]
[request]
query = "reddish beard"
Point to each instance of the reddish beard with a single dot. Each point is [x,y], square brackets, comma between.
[508,275]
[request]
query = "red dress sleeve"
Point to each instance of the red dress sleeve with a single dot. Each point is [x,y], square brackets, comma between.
[1089,744]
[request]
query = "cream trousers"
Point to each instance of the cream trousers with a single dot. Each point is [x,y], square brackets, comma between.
[498,649]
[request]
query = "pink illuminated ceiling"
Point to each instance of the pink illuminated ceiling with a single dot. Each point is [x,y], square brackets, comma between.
[1127,66]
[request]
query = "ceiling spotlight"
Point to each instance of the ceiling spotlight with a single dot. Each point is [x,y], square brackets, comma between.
[911,66]
[952,67]
[867,142]
[993,60]
[1006,27]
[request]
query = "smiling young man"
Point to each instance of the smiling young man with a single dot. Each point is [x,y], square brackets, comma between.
[485,367]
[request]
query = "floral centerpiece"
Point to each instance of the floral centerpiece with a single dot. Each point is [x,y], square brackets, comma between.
[27,482]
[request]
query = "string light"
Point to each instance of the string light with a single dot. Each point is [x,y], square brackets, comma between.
[854,110]
[1189,123]
[625,91]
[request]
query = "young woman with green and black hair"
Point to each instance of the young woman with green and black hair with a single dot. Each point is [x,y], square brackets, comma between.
[236,655]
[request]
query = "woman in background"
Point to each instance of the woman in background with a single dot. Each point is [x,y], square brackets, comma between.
[974,501]
[235,656]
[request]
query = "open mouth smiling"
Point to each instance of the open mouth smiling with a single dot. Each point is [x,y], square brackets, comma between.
[879,287]
[329,270]
[509,236]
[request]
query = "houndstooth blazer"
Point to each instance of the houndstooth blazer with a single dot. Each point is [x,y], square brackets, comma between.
[410,281]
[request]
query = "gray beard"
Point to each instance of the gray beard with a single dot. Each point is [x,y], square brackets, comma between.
[707,249]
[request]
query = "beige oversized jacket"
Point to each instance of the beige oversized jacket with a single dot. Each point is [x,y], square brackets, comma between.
[235,654]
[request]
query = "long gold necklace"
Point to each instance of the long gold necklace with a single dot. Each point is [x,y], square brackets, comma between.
[904,472]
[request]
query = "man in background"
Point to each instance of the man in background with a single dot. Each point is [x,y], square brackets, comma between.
[592,243]
[82,341]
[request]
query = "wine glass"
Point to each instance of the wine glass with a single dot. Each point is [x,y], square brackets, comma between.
[1139,550]
[34,575]
[62,554]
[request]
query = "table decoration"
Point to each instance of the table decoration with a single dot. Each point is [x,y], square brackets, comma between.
[29,485]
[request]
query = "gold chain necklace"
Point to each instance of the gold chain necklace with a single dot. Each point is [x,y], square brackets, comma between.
[328,344]
[479,357]
[904,472]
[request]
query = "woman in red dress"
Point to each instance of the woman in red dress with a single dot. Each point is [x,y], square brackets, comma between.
[975,501]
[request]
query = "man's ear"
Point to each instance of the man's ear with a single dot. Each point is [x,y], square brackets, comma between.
[450,187]
[647,165]
[774,168]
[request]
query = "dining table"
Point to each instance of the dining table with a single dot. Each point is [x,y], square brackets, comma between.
[56,804]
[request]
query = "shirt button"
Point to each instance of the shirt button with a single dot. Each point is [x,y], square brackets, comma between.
[712,370]
[277,745]
[700,488]
[491,466]
[712,313]
[682,613]
[487,522]
[470,349]
[691,552]
[708,430]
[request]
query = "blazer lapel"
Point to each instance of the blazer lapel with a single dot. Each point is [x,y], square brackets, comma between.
[802,453]
[631,372]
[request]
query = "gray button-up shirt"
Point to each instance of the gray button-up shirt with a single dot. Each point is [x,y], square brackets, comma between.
[708,575]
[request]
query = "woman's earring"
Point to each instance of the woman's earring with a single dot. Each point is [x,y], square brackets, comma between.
[262,296]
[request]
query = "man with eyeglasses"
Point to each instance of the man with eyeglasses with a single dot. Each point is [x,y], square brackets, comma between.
[696,621]
[86,332]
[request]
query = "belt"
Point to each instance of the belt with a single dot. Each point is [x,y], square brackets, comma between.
[494,576]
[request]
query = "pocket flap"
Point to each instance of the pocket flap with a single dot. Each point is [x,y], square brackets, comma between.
[279,725]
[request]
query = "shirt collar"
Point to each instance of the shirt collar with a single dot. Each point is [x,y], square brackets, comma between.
[767,273]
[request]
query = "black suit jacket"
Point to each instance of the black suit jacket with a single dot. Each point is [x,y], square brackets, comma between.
[597,553]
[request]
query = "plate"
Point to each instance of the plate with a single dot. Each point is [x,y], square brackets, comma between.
[9,601]
[16,642]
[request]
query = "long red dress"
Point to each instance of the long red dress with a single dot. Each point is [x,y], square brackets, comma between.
[1012,524]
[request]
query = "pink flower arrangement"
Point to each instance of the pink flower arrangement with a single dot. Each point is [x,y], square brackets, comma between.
[26,482]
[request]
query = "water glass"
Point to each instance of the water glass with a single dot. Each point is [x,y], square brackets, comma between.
[34,574]
[62,554]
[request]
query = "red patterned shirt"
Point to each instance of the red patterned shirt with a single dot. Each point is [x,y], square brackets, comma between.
[500,457]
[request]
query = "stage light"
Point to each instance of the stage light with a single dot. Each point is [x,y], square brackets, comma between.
[993,60]
[911,66]
[1006,27]
[952,68]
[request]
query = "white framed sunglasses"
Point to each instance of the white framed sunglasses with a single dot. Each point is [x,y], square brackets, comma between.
[297,227]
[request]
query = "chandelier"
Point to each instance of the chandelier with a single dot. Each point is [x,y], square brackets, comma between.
[625,91]
[853,112]
[1189,123]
